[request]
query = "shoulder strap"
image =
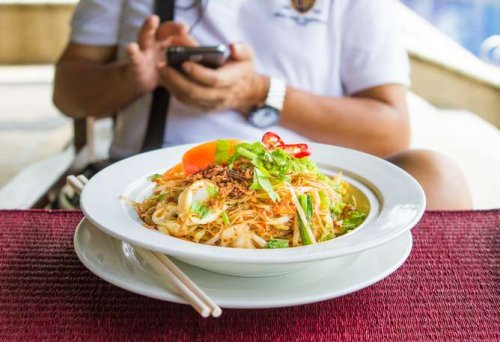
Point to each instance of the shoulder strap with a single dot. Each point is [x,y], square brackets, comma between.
[165,9]
[161,98]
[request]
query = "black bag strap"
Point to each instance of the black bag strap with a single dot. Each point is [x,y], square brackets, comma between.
[161,98]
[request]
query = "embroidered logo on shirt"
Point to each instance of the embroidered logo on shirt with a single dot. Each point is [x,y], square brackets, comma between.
[302,12]
[303,6]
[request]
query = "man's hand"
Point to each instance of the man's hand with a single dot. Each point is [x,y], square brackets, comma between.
[86,73]
[149,51]
[236,85]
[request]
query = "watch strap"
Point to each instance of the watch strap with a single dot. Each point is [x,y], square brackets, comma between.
[276,94]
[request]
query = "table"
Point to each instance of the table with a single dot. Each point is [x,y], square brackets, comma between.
[449,289]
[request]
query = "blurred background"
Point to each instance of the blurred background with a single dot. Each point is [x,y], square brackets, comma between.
[454,47]
[474,24]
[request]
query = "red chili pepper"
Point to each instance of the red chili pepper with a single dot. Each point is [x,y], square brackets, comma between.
[297,150]
[272,140]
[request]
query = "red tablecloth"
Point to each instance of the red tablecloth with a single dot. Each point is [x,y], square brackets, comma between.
[449,289]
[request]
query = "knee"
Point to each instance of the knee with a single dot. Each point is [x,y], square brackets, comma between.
[429,163]
[443,182]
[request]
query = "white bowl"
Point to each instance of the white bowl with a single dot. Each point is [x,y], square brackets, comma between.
[396,200]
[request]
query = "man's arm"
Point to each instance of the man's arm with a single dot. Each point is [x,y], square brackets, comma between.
[374,120]
[89,82]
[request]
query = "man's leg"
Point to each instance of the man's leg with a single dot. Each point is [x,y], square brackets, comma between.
[443,183]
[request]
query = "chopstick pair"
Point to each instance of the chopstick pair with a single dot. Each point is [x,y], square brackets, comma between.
[170,273]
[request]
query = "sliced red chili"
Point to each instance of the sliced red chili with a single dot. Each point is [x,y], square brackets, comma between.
[272,140]
[302,154]
[297,150]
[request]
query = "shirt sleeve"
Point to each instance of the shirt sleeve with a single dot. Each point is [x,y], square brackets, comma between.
[96,22]
[371,51]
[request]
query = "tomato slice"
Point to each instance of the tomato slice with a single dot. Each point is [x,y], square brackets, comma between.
[272,140]
[199,157]
[202,156]
[296,150]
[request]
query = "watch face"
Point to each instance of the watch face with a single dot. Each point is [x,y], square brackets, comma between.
[264,117]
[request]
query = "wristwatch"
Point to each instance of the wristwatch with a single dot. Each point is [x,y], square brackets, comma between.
[269,114]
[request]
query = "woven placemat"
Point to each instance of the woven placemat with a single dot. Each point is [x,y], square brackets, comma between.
[449,289]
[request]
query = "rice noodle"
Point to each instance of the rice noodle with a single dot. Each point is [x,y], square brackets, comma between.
[249,219]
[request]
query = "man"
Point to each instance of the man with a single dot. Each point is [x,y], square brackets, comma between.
[340,76]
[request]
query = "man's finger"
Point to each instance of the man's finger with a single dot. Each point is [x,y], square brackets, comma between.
[147,33]
[170,28]
[134,53]
[182,87]
[206,76]
[221,77]
[184,40]
[241,52]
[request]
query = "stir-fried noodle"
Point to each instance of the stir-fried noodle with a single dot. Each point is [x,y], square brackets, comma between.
[266,198]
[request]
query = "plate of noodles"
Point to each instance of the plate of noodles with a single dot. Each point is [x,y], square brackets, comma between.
[254,208]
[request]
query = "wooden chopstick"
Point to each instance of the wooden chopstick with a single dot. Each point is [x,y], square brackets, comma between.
[75,183]
[151,259]
[161,264]
[216,311]
[82,179]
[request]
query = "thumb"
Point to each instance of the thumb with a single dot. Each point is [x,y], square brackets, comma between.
[241,52]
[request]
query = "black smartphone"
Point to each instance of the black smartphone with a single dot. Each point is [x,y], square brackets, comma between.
[209,56]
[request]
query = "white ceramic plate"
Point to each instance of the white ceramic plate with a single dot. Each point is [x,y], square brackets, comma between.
[115,262]
[397,202]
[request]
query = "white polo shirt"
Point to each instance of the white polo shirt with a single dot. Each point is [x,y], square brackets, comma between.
[336,48]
